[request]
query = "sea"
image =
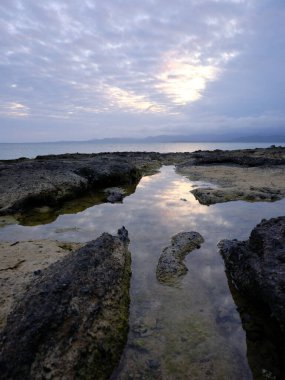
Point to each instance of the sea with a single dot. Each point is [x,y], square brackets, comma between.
[10,151]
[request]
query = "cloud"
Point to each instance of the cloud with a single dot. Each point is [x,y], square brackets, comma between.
[158,61]
[13,109]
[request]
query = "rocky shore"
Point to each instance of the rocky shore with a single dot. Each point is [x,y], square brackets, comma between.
[50,181]
[20,263]
[67,305]
[256,267]
[72,321]
[250,175]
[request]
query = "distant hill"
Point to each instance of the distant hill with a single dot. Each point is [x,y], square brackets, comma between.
[192,139]
[265,139]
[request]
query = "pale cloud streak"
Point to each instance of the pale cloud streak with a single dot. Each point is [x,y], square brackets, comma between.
[14,110]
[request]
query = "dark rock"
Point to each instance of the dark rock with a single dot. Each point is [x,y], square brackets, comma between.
[51,180]
[115,195]
[72,322]
[170,265]
[123,235]
[255,268]
[264,340]
[256,280]
[244,157]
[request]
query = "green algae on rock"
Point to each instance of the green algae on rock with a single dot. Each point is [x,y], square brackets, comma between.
[72,322]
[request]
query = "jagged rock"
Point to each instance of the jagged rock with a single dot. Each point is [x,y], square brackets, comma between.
[72,322]
[170,264]
[257,266]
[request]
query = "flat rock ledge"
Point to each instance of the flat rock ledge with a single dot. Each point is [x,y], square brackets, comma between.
[252,175]
[72,322]
[170,264]
[256,267]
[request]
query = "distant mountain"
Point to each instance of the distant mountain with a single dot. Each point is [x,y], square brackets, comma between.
[261,139]
[191,139]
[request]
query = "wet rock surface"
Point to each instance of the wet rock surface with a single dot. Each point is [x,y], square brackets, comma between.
[256,267]
[49,181]
[170,264]
[72,322]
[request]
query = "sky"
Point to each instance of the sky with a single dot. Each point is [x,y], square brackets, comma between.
[86,69]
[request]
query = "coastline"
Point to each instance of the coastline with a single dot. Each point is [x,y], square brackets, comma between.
[47,183]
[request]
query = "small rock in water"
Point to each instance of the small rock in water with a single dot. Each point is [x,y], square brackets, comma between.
[123,235]
[170,265]
[115,194]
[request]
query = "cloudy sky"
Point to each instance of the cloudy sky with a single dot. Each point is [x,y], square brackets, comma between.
[83,69]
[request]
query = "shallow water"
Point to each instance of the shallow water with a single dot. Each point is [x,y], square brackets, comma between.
[188,331]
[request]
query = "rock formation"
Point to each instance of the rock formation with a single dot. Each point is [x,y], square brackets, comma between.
[170,265]
[250,175]
[72,322]
[256,267]
[50,181]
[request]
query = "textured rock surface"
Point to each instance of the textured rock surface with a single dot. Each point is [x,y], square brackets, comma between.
[50,181]
[244,157]
[170,264]
[250,175]
[257,266]
[72,322]
[264,341]
[114,194]
[21,262]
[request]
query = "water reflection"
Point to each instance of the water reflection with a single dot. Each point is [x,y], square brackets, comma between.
[265,342]
[45,215]
[189,331]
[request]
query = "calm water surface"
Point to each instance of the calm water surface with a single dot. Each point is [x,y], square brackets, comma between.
[188,331]
[31,150]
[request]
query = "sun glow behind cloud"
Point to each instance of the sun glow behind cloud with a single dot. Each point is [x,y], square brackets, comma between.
[184,82]
[183,78]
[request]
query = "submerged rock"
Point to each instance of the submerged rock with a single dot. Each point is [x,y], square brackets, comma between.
[256,267]
[72,322]
[170,265]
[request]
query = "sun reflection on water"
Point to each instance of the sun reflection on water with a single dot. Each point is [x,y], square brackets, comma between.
[192,330]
